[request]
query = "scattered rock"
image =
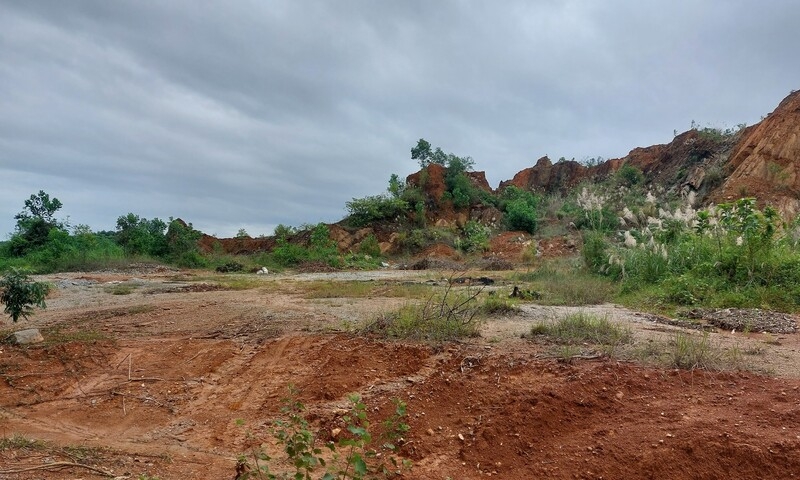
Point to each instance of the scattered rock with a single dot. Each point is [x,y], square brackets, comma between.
[746,319]
[24,337]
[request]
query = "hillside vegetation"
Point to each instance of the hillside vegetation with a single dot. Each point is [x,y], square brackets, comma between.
[708,220]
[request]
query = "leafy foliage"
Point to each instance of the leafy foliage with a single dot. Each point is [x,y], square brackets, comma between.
[20,294]
[363,211]
[138,235]
[629,175]
[320,248]
[34,224]
[521,209]
[475,237]
[354,455]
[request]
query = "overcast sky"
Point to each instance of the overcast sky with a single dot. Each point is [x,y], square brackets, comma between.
[247,114]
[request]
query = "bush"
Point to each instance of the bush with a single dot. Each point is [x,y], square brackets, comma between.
[595,247]
[20,294]
[320,249]
[521,209]
[363,211]
[370,246]
[475,239]
[628,175]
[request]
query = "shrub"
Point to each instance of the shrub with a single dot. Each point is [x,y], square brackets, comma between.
[595,247]
[20,294]
[370,246]
[475,239]
[628,175]
[520,209]
[363,211]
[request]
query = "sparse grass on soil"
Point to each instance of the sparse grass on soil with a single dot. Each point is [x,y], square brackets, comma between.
[362,289]
[583,327]
[559,282]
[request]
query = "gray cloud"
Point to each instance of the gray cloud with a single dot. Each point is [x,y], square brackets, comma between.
[250,114]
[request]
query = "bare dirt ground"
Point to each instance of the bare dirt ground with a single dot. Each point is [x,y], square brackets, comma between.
[177,377]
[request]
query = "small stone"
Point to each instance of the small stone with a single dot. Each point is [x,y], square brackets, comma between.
[335,432]
[461,437]
[430,431]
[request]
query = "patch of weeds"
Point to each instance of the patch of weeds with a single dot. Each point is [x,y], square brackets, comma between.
[362,289]
[21,442]
[499,305]
[692,352]
[59,334]
[755,349]
[354,454]
[583,327]
[334,289]
[559,284]
[137,309]
[567,352]
[651,352]
[82,453]
[441,318]
[120,289]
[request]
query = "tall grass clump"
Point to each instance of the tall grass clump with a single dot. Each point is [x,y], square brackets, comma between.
[733,254]
[583,327]
[443,317]
[690,352]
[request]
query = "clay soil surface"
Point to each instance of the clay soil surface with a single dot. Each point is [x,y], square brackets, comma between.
[172,375]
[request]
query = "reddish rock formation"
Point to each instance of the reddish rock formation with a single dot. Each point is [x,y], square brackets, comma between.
[431,180]
[765,163]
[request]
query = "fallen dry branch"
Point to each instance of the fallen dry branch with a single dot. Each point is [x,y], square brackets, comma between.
[56,466]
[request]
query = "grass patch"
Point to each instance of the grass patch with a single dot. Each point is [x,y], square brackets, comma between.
[59,334]
[227,281]
[120,289]
[447,317]
[561,283]
[364,289]
[583,327]
[690,352]
[21,442]
[499,305]
[696,351]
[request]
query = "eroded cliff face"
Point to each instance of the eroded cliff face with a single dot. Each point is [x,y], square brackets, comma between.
[765,163]
[680,164]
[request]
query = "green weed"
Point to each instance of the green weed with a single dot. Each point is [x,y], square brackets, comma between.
[583,327]
[352,454]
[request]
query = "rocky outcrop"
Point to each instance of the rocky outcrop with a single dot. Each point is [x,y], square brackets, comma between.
[765,164]
[439,211]
[679,164]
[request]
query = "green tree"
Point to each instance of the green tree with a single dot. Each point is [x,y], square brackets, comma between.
[140,236]
[34,224]
[182,248]
[20,294]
